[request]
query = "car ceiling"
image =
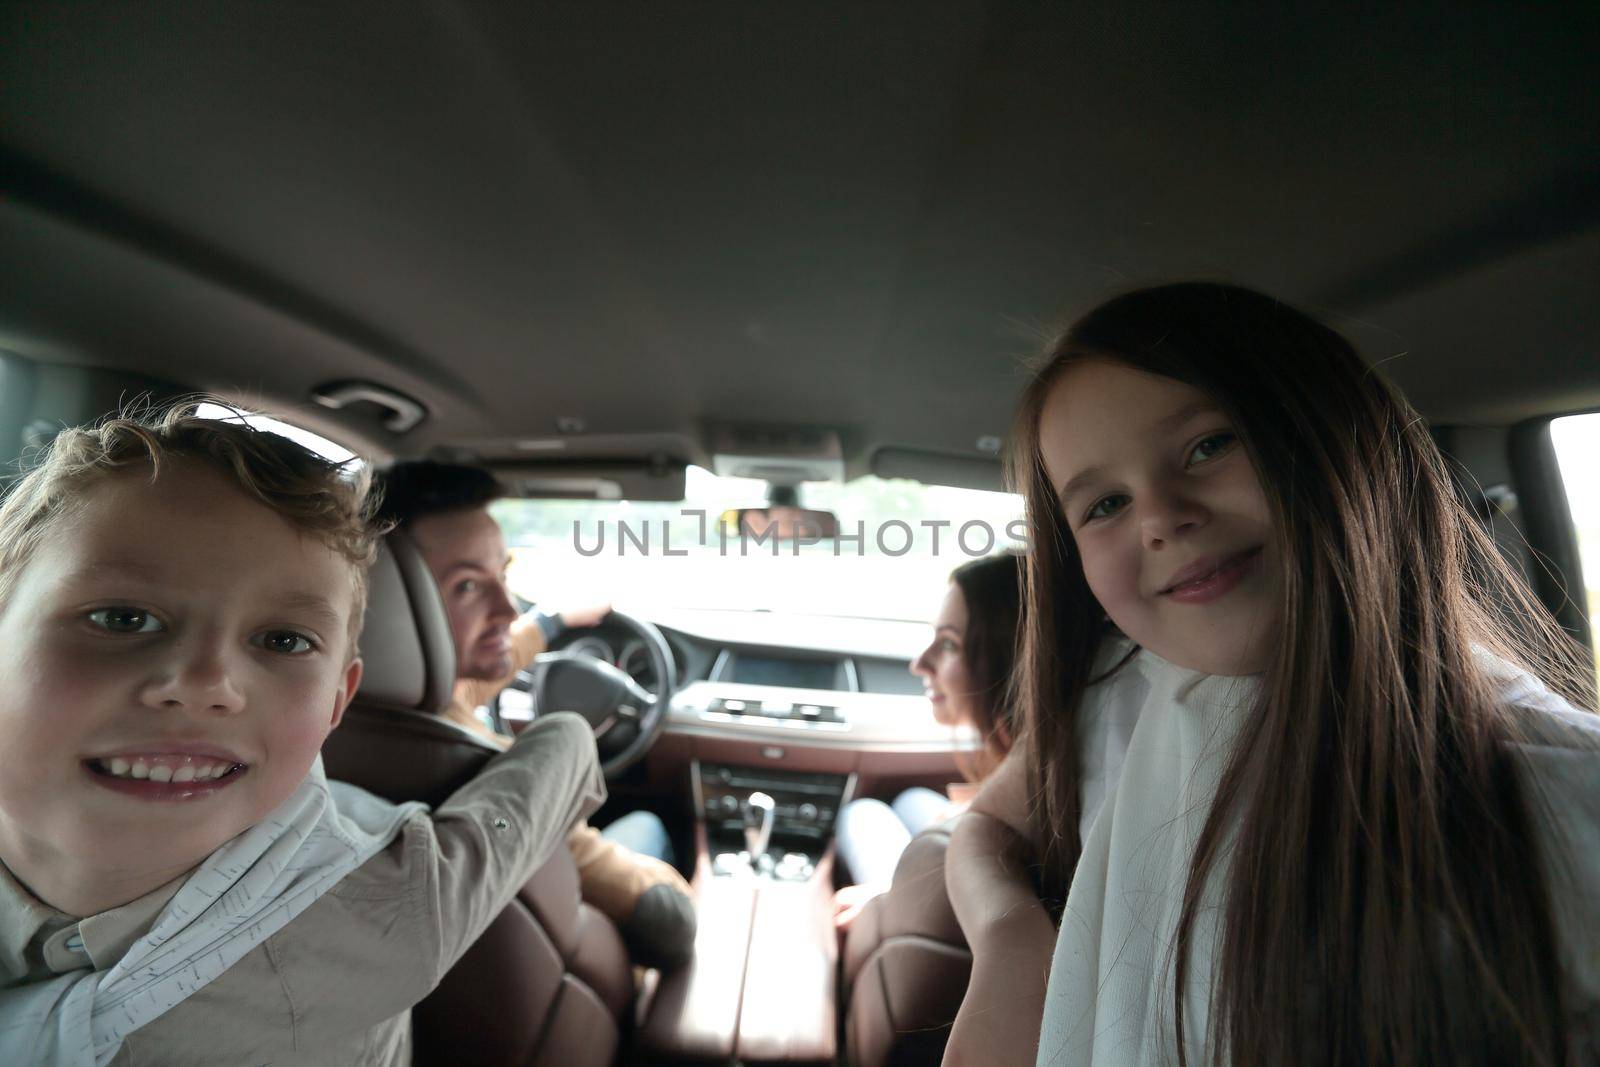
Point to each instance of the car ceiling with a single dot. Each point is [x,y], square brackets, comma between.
[663,217]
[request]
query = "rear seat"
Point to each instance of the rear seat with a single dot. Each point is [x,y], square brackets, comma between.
[906,963]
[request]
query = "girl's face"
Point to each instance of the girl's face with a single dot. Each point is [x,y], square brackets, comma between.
[1169,518]
[943,664]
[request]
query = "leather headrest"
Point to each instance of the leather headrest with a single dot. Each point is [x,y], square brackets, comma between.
[918,899]
[408,656]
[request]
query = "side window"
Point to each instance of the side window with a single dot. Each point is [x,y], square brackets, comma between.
[315,442]
[1577,444]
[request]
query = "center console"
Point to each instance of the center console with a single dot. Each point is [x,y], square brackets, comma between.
[761,988]
[778,821]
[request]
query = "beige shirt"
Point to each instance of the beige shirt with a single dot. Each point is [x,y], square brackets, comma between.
[336,985]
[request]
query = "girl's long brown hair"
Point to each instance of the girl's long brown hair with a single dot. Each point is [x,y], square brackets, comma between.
[1385,898]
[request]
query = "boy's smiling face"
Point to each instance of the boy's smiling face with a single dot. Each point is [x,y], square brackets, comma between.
[179,629]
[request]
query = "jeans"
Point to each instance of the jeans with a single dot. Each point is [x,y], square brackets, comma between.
[641,832]
[872,834]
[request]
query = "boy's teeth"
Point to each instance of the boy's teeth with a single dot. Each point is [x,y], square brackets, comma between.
[157,771]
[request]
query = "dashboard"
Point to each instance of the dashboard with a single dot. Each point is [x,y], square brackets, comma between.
[752,649]
[784,679]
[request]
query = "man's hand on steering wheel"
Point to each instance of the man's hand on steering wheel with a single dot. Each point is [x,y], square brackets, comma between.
[625,716]
[554,625]
[581,618]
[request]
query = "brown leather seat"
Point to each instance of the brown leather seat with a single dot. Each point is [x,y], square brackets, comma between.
[906,963]
[549,982]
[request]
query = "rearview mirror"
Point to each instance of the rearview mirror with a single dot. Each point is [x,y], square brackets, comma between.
[783,523]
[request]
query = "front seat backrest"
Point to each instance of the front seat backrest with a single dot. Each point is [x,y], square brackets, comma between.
[393,740]
[549,982]
[906,963]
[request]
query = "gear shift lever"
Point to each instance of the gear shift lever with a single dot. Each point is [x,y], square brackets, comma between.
[758,810]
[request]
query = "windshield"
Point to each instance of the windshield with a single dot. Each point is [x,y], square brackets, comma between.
[898,542]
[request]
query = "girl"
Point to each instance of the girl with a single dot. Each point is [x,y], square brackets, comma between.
[966,670]
[1350,825]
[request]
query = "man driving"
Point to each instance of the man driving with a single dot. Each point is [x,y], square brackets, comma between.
[625,870]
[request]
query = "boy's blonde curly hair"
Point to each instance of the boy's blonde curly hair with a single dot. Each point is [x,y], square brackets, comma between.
[322,499]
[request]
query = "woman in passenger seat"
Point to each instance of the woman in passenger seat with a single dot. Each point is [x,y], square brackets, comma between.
[966,671]
[1356,818]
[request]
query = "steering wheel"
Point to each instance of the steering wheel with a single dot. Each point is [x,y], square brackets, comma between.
[625,716]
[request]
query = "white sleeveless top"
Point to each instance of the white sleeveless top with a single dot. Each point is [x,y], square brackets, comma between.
[1156,738]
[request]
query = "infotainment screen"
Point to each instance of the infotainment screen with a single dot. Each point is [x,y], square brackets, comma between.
[794,673]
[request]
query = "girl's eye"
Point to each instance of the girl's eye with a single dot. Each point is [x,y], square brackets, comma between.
[125,620]
[286,642]
[1106,507]
[1212,446]
[468,586]
[947,645]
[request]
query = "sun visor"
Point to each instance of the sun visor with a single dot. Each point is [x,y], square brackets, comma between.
[939,468]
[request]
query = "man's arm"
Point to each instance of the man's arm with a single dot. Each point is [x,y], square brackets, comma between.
[646,898]
[535,631]
[1011,938]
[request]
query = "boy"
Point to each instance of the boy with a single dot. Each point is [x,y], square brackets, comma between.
[179,605]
